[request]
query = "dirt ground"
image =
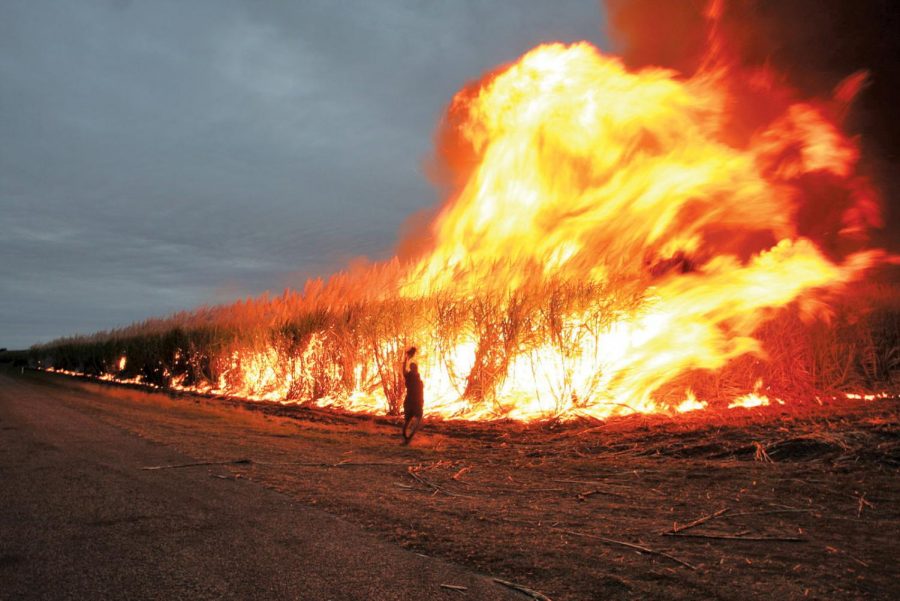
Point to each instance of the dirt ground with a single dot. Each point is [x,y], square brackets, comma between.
[789,505]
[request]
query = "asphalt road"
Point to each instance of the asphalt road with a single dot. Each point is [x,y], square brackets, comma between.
[80,519]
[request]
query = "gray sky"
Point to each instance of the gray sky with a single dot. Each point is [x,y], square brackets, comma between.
[158,155]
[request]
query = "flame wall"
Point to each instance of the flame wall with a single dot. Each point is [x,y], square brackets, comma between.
[616,237]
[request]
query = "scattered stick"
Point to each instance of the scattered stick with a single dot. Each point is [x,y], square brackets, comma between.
[760,454]
[457,588]
[786,539]
[590,430]
[461,472]
[859,561]
[769,511]
[524,490]
[523,589]
[592,483]
[676,528]
[180,465]
[432,485]
[697,522]
[582,496]
[640,548]
[344,463]
[422,480]
[863,503]
[612,485]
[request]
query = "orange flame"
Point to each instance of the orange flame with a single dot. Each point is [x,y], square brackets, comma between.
[628,183]
[628,227]
[587,172]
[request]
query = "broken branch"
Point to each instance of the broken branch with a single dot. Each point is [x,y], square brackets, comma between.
[180,465]
[523,589]
[787,539]
[432,485]
[640,548]
[698,521]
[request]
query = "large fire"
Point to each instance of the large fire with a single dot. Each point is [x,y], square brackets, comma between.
[589,173]
[611,233]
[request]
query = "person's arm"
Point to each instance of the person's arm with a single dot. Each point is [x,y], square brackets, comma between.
[410,353]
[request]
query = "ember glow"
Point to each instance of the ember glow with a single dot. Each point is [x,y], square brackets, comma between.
[612,232]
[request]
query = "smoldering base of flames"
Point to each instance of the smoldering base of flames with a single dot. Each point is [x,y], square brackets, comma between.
[291,349]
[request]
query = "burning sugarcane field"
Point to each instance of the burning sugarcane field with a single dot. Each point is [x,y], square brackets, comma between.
[640,339]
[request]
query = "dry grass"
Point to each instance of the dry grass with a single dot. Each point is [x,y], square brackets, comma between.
[854,346]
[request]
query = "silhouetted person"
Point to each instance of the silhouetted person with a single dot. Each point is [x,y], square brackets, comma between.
[414,403]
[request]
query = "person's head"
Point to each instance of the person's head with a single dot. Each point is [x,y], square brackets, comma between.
[414,367]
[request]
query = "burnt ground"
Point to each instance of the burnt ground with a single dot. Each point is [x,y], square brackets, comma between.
[801,505]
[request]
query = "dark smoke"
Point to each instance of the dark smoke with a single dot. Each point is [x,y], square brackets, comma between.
[814,44]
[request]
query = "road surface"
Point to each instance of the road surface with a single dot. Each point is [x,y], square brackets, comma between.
[330,501]
[81,519]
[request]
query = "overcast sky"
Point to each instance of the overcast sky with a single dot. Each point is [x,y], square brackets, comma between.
[158,155]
